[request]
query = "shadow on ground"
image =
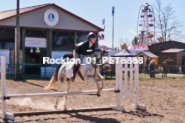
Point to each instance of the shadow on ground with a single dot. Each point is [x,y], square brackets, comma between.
[142,114]
[94,119]
[24,81]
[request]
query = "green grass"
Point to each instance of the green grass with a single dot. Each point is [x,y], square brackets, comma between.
[144,77]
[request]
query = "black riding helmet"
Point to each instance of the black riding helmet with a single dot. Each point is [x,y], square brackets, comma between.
[91,35]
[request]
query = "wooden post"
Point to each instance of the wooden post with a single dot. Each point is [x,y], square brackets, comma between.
[75,37]
[79,36]
[17,43]
[49,43]
[23,50]
[47,47]
[17,47]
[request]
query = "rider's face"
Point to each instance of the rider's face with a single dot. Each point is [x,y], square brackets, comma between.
[93,40]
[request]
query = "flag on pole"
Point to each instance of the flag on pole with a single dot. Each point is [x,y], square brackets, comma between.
[131,47]
[137,47]
[101,37]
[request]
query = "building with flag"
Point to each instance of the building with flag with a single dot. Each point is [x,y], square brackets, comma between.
[45,31]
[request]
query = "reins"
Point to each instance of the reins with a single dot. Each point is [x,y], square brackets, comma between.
[96,65]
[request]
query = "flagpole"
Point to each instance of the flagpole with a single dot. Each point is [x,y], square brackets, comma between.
[113,27]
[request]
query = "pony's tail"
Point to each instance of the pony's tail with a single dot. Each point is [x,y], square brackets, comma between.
[53,79]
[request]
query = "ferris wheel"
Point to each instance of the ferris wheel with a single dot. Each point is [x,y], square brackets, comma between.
[146,25]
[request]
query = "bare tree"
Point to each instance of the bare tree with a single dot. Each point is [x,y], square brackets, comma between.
[122,43]
[166,21]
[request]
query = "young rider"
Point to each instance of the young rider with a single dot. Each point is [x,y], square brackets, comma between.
[83,48]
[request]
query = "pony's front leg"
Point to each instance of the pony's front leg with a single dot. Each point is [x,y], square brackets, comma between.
[92,79]
[102,79]
[99,89]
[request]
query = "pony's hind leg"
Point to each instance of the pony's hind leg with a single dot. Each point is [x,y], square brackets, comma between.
[59,89]
[69,82]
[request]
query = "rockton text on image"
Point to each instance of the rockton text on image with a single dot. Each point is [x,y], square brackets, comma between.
[89,60]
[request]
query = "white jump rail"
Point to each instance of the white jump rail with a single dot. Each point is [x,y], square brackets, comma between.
[133,89]
[56,93]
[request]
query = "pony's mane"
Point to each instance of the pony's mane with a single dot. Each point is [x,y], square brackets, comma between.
[98,50]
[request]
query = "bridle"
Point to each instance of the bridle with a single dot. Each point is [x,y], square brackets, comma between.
[98,63]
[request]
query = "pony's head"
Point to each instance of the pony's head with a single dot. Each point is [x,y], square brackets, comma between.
[99,54]
[105,65]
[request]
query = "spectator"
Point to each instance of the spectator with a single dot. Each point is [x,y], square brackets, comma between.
[146,67]
[152,65]
[152,69]
[165,70]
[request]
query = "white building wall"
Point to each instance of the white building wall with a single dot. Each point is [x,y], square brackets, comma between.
[35,19]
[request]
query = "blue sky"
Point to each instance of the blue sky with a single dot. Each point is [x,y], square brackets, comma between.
[126,12]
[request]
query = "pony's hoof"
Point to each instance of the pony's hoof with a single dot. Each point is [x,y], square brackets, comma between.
[98,95]
[55,106]
[65,109]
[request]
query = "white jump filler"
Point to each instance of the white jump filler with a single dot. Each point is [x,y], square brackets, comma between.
[134,86]
[133,89]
